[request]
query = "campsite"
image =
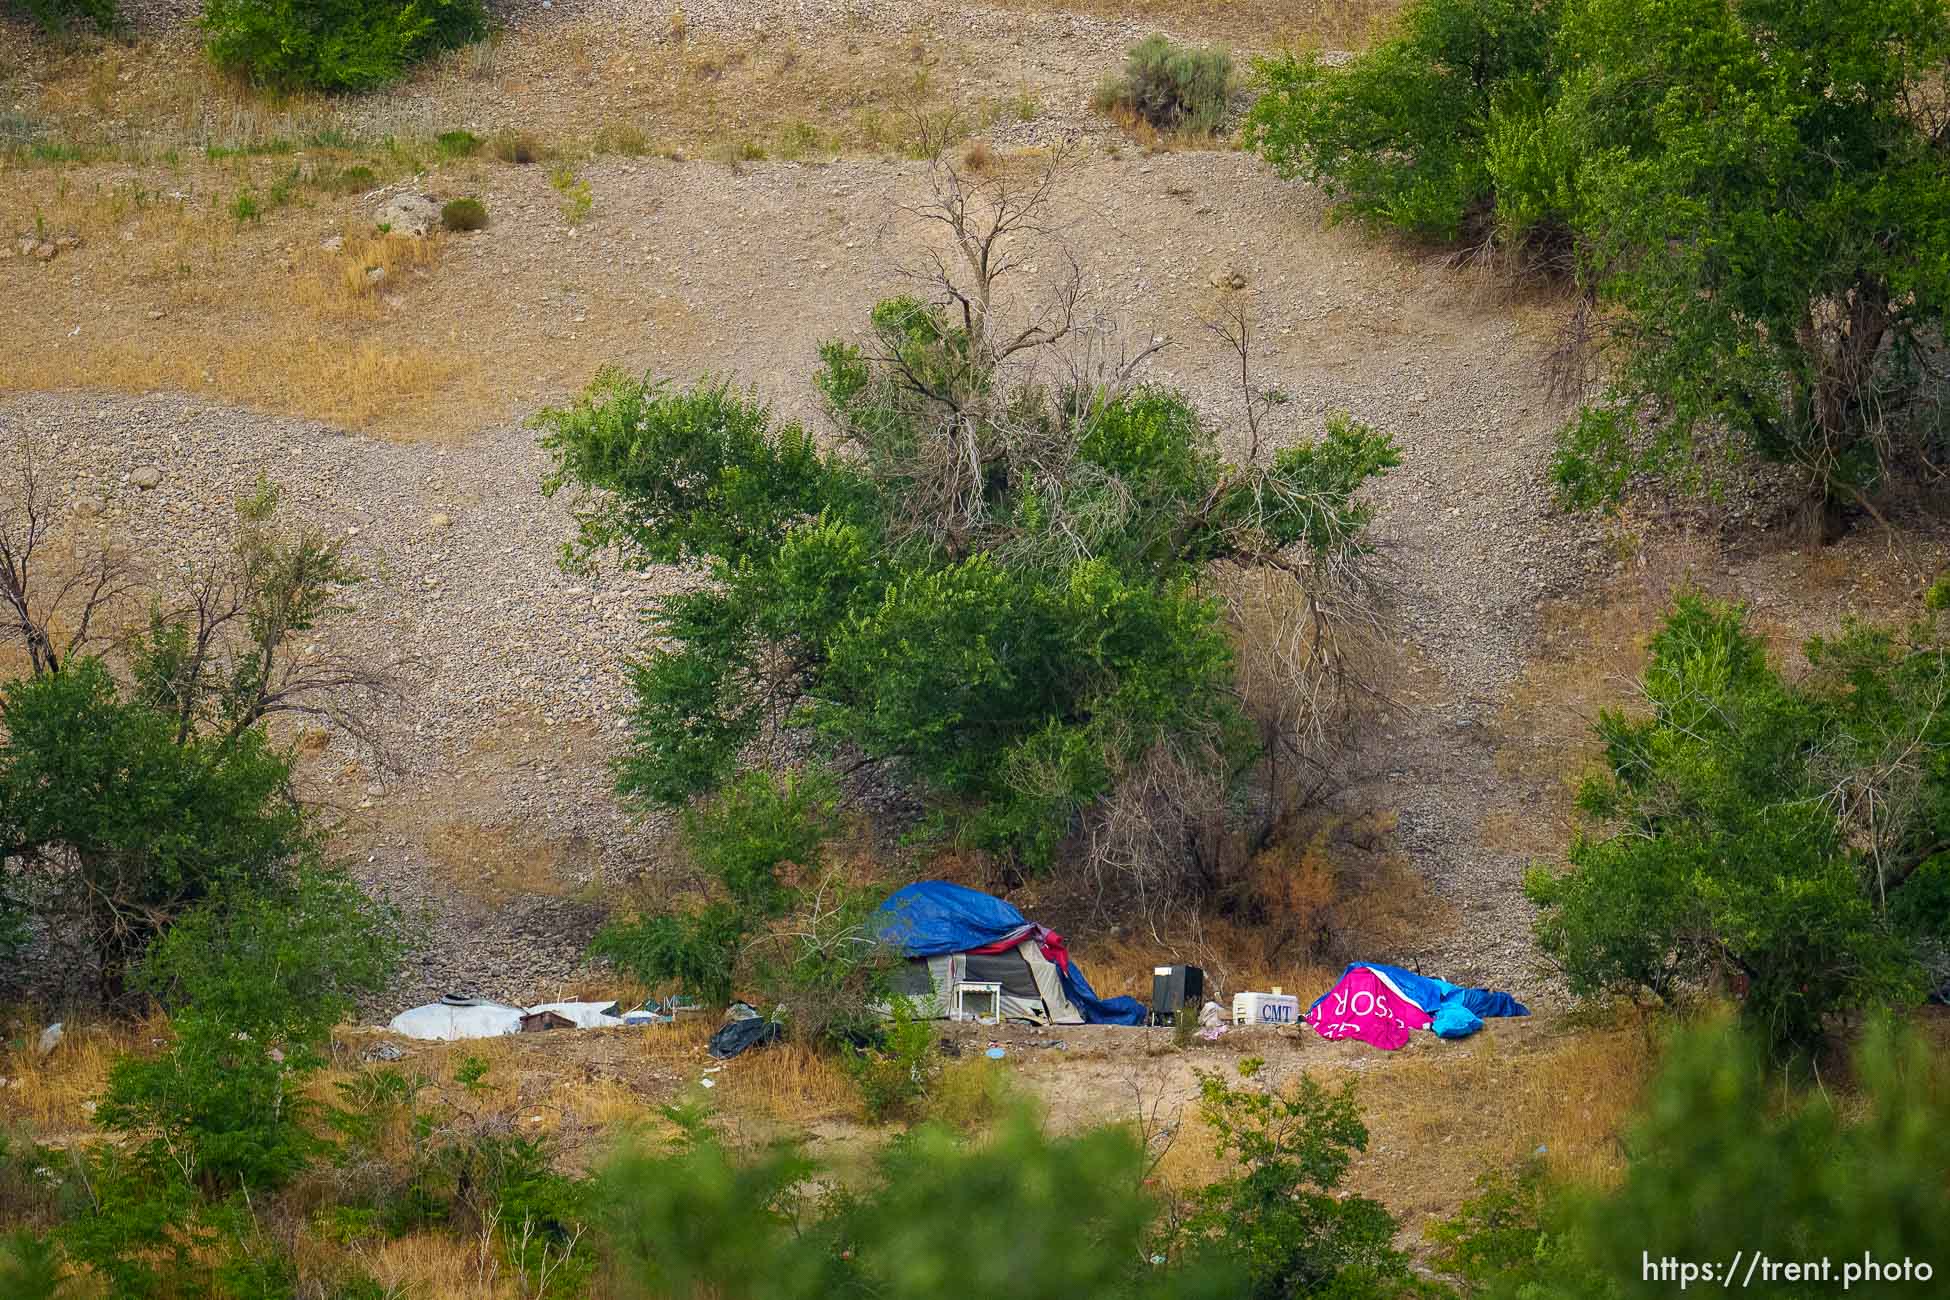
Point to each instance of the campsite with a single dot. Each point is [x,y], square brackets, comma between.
[770,649]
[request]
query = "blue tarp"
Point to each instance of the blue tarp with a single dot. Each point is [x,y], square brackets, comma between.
[1457,1012]
[932,917]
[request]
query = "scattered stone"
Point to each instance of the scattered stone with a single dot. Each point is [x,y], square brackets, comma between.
[1228,278]
[442,521]
[157,314]
[374,274]
[67,242]
[332,244]
[147,477]
[50,1038]
[90,506]
[408,214]
[45,251]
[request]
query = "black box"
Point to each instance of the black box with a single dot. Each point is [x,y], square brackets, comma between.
[1173,987]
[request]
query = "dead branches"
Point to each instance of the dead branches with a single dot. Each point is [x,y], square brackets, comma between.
[54,605]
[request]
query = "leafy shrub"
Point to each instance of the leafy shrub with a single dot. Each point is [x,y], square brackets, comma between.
[57,16]
[1720,846]
[1721,1151]
[1173,87]
[129,806]
[1280,1216]
[457,144]
[464,214]
[334,45]
[1491,1243]
[31,1267]
[257,981]
[702,1222]
[894,1078]
[808,948]
[1398,136]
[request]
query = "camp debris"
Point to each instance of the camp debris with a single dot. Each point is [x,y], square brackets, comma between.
[455,1016]
[742,1034]
[970,955]
[1384,1005]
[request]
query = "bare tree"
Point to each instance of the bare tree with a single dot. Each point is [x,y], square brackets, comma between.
[232,651]
[54,605]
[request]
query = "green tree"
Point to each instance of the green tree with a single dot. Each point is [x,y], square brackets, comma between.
[126,801]
[1764,826]
[1436,131]
[117,827]
[1763,188]
[1003,594]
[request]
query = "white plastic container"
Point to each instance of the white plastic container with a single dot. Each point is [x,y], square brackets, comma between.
[1275,1008]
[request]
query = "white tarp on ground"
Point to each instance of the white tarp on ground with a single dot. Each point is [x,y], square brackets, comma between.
[456,1017]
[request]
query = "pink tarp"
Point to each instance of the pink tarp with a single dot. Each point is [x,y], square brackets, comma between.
[1367,1006]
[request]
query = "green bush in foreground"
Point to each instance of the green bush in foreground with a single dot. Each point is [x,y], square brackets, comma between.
[334,45]
[1721,1158]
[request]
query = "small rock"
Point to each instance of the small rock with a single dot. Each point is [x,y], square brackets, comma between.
[333,244]
[147,477]
[89,507]
[385,1052]
[408,214]
[66,242]
[157,314]
[1227,278]
[45,251]
[375,274]
[50,1038]
[442,521]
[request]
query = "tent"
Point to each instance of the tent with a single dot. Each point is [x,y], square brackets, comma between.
[950,935]
[1383,1005]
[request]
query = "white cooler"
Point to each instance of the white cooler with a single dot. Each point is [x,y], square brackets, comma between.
[1275,1008]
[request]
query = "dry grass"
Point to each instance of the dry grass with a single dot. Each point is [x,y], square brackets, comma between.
[433,1266]
[355,280]
[788,1083]
[54,1095]
[359,385]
